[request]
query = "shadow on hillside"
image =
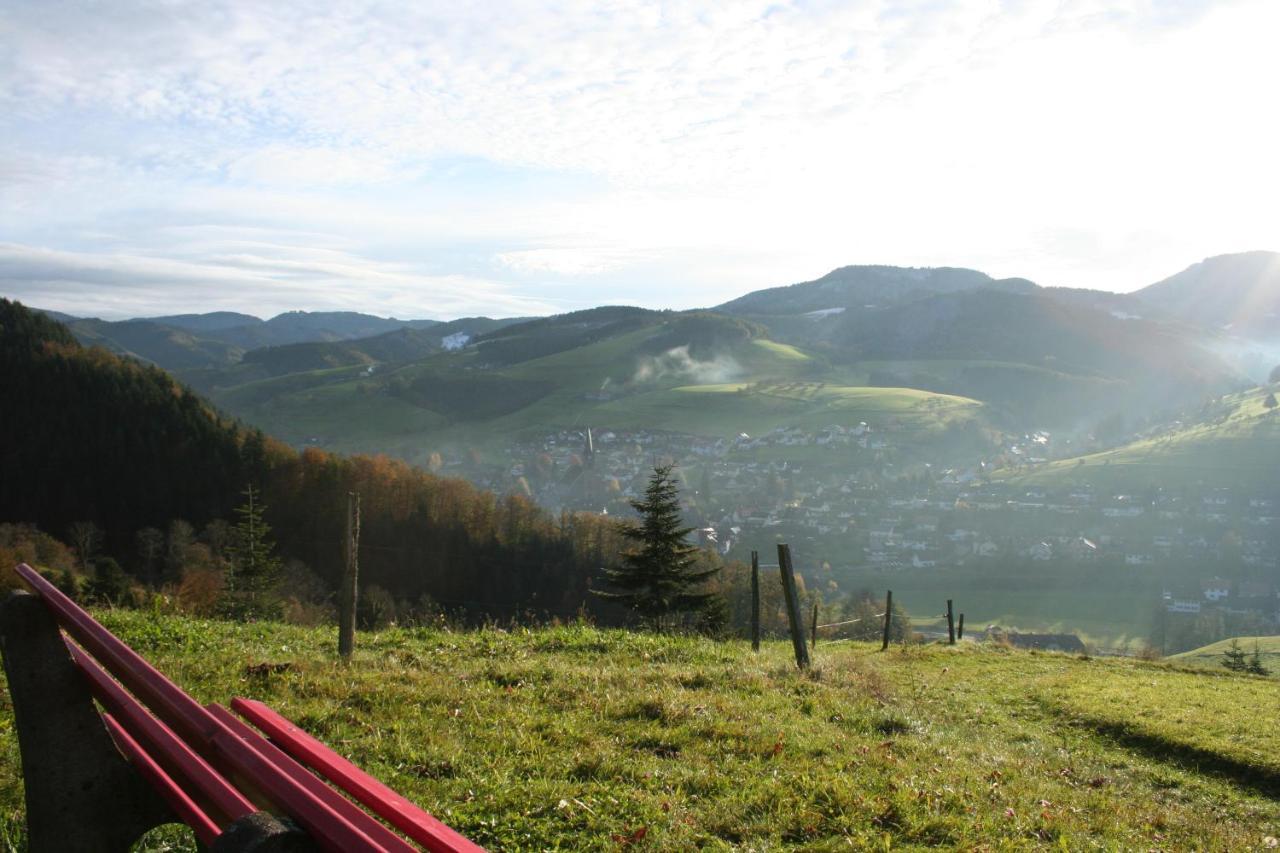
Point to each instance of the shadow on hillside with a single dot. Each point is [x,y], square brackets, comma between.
[1185,756]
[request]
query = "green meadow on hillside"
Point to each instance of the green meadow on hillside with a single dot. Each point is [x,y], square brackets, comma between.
[1231,447]
[578,738]
[1211,655]
[620,382]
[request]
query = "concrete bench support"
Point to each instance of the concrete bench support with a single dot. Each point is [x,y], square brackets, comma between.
[81,793]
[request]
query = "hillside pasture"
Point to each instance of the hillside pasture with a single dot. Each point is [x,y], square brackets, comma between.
[1236,445]
[577,738]
[1212,654]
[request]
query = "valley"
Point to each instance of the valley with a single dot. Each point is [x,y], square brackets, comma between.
[937,431]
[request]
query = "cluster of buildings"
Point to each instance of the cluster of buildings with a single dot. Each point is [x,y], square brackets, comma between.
[861,508]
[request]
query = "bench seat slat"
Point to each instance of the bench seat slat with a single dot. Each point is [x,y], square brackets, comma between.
[418,824]
[176,757]
[182,804]
[312,783]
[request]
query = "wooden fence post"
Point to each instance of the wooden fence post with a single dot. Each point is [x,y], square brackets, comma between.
[755,601]
[350,577]
[960,630]
[888,619]
[813,641]
[951,624]
[793,605]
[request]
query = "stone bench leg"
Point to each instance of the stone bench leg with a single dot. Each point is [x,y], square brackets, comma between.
[82,795]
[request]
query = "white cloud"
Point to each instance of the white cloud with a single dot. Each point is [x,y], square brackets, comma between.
[113,286]
[573,261]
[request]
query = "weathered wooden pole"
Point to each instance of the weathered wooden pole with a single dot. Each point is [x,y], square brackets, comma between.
[755,601]
[960,629]
[951,624]
[350,579]
[888,618]
[813,640]
[793,605]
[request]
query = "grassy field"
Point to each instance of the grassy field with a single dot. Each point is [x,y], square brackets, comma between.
[576,738]
[1109,618]
[1236,447]
[1211,655]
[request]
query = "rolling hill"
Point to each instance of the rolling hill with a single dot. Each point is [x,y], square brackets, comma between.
[864,287]
[1036,357]
[618,368]
[219,339]
[1237,293]
[1233,441]
[1211,655]
[1039,354]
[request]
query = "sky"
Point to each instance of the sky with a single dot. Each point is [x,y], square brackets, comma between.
[450,159]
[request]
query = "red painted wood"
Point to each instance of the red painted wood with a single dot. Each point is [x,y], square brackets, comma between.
[165,699]
[399,812]
[304,777]
[196,725]
[178,759]
[205,829]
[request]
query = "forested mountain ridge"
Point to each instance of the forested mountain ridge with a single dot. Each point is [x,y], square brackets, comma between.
[94,436]
[217,340]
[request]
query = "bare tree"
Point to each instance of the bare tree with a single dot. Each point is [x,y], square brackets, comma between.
[85,538]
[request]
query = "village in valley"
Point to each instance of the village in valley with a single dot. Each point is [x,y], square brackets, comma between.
[846,500]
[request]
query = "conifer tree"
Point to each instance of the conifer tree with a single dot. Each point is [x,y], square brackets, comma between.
[254,571]
[1234,658]
[658,577]
[1255,665]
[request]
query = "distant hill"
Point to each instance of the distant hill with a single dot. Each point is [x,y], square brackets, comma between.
[1048,354]
[863,287]
[405,344]
[1033,328]
[1238,293]
[621,368]
[171,347]
[545,336]
[191,341]
[211,322]
[1233,441]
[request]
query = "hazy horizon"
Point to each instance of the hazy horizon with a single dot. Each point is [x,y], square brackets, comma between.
[370,310]
[440,161]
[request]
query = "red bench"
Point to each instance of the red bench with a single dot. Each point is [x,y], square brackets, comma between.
[154,754]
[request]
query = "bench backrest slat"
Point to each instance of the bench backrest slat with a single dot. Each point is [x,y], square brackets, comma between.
[177,758]
[413,821]
[340,804]
[192,815]
[167,700]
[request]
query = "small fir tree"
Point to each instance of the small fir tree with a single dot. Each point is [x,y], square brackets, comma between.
[1255,662]
[660,576]
[1234,658]
[254,569]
